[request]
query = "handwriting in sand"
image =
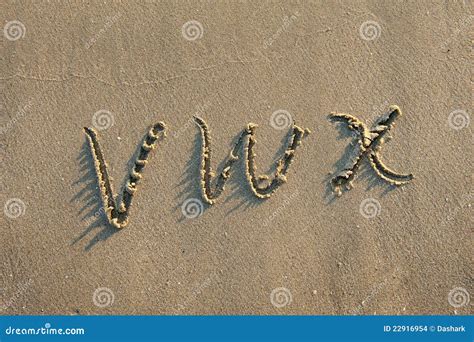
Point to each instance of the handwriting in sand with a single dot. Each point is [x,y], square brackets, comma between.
[262,186]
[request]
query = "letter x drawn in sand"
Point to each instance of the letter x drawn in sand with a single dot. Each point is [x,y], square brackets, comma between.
[370,144]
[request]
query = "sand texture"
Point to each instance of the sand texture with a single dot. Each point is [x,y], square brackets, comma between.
[120,67]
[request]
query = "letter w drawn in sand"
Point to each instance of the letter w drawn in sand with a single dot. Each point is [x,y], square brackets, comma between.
[117,214]
[260,190]
[370,144]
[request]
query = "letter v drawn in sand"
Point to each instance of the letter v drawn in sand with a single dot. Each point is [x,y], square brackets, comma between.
[370,144]
[118,213]
[260,190]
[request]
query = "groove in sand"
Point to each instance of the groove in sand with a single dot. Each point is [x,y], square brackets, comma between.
[210,195]
[370,144]
[118,214]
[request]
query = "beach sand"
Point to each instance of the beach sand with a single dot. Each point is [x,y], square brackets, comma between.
[302,251]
